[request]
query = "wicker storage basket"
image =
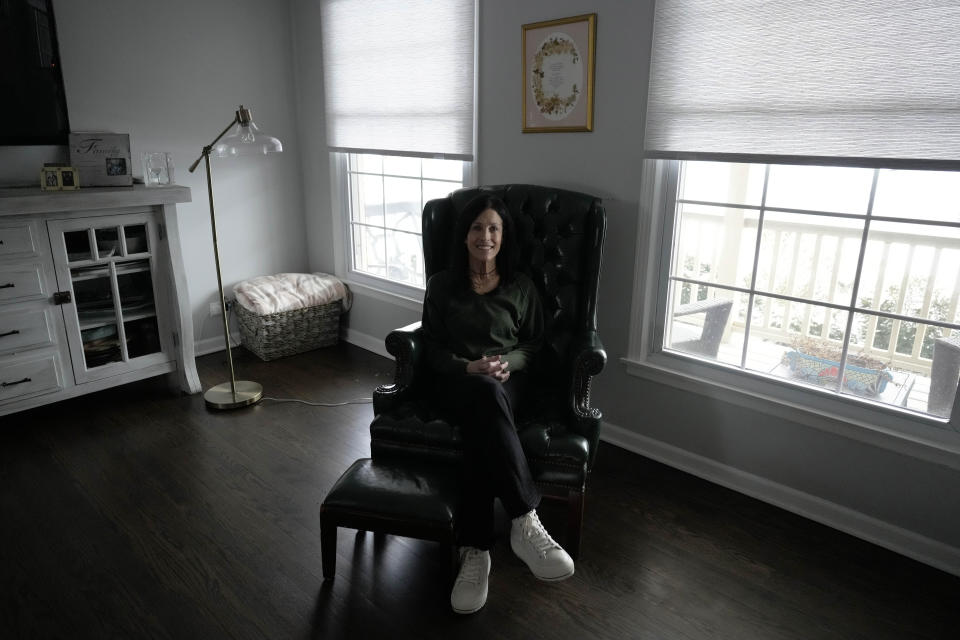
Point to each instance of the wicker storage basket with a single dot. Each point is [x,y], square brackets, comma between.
[286,333]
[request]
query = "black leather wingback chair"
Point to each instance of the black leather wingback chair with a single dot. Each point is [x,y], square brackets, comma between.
[560,234]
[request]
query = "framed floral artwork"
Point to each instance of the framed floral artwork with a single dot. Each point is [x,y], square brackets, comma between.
[558,71]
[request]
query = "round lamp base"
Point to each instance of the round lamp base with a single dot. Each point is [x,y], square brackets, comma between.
[222,397]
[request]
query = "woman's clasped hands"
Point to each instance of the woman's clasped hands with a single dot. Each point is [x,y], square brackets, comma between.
[491,366]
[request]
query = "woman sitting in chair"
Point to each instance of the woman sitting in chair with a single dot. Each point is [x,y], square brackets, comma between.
[483,324]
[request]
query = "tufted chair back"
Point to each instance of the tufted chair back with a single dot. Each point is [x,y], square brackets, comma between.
[560,235]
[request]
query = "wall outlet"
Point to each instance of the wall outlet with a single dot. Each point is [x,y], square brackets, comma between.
[215,307]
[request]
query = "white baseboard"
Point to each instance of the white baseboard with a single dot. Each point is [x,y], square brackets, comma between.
[212,345]
[903,541]
[362,340]
[365,341]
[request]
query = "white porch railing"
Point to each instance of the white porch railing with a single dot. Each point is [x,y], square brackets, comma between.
[878,337]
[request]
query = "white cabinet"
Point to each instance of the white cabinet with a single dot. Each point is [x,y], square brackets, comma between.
[92,293]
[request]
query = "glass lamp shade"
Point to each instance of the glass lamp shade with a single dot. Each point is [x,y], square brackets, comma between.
[246,139]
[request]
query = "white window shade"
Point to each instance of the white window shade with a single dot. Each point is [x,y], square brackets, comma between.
[856,79]
[399,76]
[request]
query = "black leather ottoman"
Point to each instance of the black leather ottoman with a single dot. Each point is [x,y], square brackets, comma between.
[399,499]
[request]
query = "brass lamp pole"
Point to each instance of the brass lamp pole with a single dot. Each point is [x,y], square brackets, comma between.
[245,139]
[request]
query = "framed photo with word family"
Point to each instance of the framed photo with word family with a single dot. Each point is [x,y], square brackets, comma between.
[558,70]
[101,159]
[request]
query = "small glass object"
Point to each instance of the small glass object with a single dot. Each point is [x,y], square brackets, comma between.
[157,168]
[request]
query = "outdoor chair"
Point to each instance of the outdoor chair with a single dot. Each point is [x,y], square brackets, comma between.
[716,313]
[943,375]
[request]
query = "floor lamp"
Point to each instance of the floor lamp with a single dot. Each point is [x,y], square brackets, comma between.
[245,139]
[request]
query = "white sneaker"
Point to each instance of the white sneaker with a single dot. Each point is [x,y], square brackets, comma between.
[470,589]
[532,544]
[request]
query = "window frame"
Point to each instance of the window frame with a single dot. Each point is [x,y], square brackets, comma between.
[889,427]
[408,296]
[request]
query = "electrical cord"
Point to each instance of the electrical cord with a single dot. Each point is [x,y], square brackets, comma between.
[321,404]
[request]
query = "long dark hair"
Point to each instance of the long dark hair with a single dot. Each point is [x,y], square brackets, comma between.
[508,255]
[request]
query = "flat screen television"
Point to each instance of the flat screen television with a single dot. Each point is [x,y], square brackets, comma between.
[33,106]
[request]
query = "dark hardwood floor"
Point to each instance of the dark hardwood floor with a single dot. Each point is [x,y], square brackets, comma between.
[136,513]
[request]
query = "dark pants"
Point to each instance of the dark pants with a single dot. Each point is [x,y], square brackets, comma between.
[494,464]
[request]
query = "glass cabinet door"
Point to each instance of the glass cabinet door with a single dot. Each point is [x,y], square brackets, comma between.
[111,317]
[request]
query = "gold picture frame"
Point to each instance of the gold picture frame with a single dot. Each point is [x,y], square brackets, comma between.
[49,179]
[58,177]
[558,74]
[69,178]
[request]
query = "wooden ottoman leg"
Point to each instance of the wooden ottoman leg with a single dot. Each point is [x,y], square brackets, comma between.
[452,556]
[574,522]
[328,545]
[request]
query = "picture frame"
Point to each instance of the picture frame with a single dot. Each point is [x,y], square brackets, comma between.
[558,74]
[69,178]
[56,176]
[50,179]
[101,159]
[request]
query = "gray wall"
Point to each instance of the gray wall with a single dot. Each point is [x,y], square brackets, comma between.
[314,157]
[171,75]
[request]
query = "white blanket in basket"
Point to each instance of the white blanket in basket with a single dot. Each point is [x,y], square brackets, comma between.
[288,291]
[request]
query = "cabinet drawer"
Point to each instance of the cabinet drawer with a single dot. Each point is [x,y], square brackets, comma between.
[20,283]
[25,329]
[17,240]
[28,377]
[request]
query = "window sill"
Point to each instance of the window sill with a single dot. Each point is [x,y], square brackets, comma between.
[902,432]
[383,291]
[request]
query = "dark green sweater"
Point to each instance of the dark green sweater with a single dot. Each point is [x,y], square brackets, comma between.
[460,326]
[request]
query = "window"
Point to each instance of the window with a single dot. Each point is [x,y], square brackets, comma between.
[387,194]
[804,217]
[841,279]
[399,112]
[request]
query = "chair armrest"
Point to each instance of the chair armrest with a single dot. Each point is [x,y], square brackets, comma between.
[406,346]
[587,358]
